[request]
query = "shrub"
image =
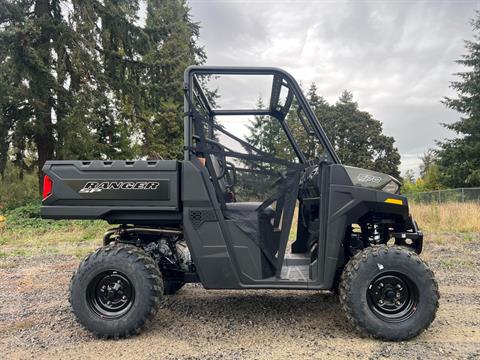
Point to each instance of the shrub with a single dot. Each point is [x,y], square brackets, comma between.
[17,191]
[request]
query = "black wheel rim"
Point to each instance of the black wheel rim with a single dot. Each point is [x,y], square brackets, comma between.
[110,294]
[392,296]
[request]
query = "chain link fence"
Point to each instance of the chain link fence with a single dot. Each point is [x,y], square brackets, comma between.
[448,195]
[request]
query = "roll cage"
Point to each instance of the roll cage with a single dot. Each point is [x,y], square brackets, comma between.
[268,228]
[195,92]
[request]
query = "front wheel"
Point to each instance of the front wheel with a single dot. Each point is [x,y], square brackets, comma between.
[389,292]
[116,291]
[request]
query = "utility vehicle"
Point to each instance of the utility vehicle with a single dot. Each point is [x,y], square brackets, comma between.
[260,201]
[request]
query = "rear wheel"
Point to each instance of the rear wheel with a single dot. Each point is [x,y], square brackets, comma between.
[389,292]
[116,291]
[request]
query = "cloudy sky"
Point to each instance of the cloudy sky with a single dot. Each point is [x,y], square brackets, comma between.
[397,57]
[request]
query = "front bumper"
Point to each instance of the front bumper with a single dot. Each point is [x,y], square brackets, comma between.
[412,238]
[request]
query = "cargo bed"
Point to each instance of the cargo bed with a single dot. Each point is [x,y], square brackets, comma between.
[138,192]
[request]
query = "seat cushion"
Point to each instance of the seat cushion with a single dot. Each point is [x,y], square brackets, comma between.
[235,208]
[246,216]
[258,226]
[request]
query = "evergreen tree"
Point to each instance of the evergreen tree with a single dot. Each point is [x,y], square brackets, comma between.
[173,36]
[58,102]
[28,32]
[428,160]
[81,79]
[266,134]
[357,137]
[459,159]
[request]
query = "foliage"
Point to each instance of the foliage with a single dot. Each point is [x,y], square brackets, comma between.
[173,36]
[428,159]
[26,219]
[24,233]
[266,134]
[17,189]
[459,158]
[356,136]
[429,180]
[82,79]
[27,215]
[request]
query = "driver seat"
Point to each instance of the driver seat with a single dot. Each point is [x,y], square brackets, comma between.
[257,224]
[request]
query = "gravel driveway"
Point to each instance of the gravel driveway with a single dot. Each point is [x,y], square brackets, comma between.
[35,318]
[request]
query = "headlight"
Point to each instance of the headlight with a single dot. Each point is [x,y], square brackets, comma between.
[391,187]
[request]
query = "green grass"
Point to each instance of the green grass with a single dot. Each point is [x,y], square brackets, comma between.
[457,263]
[24,233]
[469,237]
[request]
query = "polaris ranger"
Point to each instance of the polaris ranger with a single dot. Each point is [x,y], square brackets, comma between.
[266,206]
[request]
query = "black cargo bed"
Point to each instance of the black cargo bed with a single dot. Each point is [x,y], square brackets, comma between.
[142,191]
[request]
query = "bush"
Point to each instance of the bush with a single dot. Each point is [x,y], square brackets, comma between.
[16,191]
[27,215]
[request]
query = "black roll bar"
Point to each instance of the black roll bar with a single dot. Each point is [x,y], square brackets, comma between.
[226,70]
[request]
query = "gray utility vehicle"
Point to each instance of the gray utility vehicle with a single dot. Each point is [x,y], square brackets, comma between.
[256,175]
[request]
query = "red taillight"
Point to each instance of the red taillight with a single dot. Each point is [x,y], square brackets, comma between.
[47,186]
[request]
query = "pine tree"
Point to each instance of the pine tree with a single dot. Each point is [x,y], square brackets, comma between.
[266,134]
[59,101]
[459,159]
[81,79]
[429,158]
[173,47]
[356,136]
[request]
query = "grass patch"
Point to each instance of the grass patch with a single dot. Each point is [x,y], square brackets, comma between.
[440,240]
[448,217]
[21,252]
[457,263]
[469,237]
[24,233]
[77,240]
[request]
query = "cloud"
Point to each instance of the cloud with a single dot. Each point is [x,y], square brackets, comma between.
[396,57]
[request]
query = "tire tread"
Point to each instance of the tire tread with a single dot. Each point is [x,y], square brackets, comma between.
[152,273]
[348,276]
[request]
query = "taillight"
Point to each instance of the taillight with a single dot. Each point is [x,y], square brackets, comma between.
[47,186]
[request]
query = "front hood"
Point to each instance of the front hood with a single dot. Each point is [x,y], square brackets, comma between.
[368,178]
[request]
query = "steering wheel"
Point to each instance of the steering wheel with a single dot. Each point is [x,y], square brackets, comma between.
[230,169]
[225,170]
[222,164]
[281,179]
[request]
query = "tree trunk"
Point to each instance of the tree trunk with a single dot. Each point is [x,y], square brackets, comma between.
[42,87]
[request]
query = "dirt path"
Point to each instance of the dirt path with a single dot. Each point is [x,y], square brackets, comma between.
[35,319]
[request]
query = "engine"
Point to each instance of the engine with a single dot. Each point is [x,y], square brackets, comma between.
[169,252]
[166,246]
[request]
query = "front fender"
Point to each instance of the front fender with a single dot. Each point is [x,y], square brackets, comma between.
[347,204]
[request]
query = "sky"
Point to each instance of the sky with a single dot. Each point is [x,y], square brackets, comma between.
[396,57]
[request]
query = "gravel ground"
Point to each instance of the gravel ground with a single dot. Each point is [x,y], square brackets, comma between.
[35,318]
